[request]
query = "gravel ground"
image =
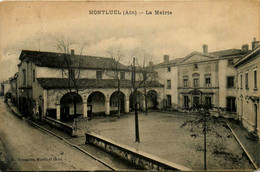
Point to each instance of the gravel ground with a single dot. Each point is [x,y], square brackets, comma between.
[161,135]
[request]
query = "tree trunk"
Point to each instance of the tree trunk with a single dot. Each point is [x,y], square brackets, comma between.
[205,142]
[75,105]
[145,100]
[137,138]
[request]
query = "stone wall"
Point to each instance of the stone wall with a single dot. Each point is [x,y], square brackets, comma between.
[59,125]
[133,156]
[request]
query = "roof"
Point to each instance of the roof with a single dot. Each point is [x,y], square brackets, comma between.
[250,55]
[229,52]
[210,56]
[14,77]
[63,60]
[63,83]
[171,62]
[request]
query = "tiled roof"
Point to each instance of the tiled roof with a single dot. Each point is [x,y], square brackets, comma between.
[229,52]
[63,83]
[62,60]
[251,55]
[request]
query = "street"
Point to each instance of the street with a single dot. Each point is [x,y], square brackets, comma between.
[24,147]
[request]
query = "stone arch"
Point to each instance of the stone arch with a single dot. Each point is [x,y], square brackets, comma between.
[96,103]
[117,102]
[70,106]
[140,98]
[152,99]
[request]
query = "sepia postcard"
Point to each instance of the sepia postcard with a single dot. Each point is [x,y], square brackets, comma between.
[130,85]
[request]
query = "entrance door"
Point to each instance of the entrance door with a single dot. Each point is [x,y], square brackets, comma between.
[65,113]
[208,101]
[186,101]
[89,110]
[196,101]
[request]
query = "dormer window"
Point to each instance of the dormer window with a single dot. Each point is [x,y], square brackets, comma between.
[99,74]
[122,75]
[71,73]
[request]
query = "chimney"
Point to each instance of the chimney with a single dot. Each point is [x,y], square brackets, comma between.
[245,47]
[205,48]
[166,58]
[72,51]
[255,43]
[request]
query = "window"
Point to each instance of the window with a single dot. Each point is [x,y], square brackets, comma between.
[33,75]
[169,100]
[231,104]
[241,81]
[196,82]
[122,75]
[230,62]
[208,101]
[230,81]
[99,74]
[24,77]
[246,81]
[186,101]
[195,66]
[168,69]
[71,73]
[169,84]
[185,82]
[207,82]
[255,79]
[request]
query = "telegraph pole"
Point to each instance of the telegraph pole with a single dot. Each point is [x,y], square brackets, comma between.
[137,138]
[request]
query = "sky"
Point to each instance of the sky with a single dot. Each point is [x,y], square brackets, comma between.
[38,25]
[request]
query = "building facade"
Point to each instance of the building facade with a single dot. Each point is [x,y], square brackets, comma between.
[248,93]
[61,85]
[201,78]
[13,88]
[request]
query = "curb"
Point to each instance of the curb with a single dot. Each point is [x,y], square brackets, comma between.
[244,149]
[73,145]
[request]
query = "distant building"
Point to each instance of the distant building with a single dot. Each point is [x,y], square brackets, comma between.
[248,94]
[47,85]
[5,87]
[13,88]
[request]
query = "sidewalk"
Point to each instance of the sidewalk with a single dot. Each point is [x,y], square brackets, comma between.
[79,143]
[251,147]
[14,109]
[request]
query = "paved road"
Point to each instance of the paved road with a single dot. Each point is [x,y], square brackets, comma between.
[29,148]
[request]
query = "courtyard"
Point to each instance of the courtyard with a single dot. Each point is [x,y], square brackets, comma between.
[162,136]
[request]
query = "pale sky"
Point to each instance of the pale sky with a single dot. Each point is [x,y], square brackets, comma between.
[35,25]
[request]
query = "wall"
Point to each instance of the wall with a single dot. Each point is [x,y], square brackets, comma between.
[204,69]
[226,70]
[59,125]
[138,158]
[245,108]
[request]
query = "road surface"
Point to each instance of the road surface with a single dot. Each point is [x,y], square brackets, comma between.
[24,147]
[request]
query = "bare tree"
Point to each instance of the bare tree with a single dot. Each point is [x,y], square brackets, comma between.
[145,73]
[117,72]
[147,76]
[72,70]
